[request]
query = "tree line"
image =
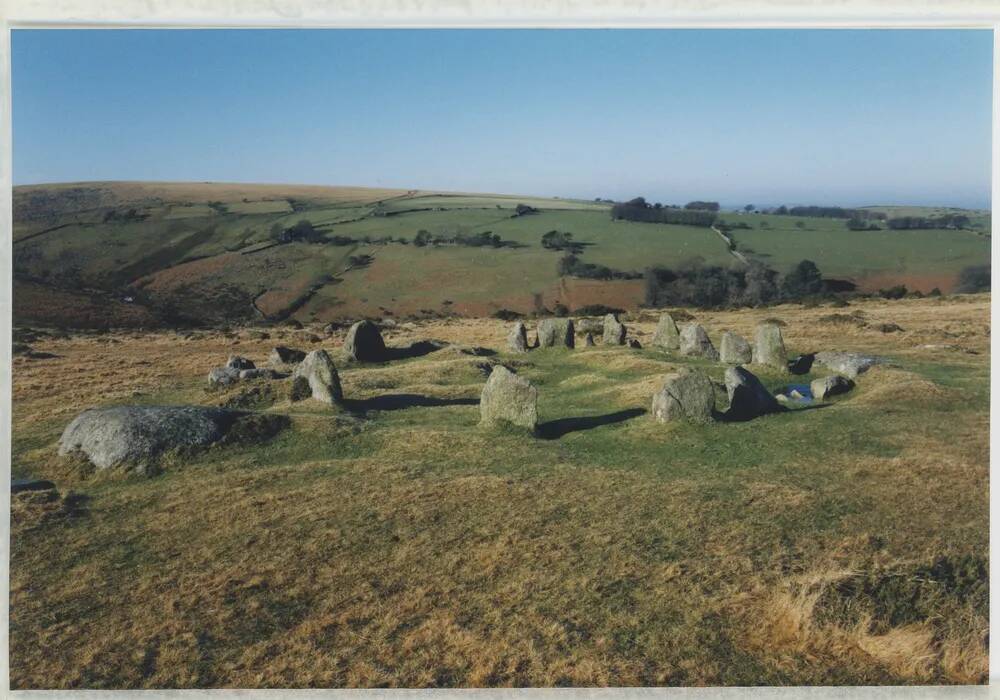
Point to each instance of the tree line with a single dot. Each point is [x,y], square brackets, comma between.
[639,209]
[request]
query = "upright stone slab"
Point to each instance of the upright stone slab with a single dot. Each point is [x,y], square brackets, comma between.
[508,398]
[748,398]
[364,343]
[734,349]
[316,377]
[588,340]
[614,330]
[555,333]
[686,395]
[667,336]
[769,348]
[517,340]
[695,342]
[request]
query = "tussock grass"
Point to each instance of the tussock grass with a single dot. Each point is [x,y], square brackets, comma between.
[406,546]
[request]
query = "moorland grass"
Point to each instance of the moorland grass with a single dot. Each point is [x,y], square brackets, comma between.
[410,547]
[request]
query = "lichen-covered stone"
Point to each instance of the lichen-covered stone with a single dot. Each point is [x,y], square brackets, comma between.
[555,333]
[614,330]
[694,342]
[319,373]
[508,398]
[667,336]
[517,340]
[769,347]
[734,349]
[686,395]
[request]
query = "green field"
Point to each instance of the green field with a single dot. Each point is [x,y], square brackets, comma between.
[172,246]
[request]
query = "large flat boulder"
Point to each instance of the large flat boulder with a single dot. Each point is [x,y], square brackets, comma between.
[556,333]
[849,364]
[769,347]
[686,395]
[134,436]
[734,349]
[316,377]
[508,398]
[667,336]
[748,397]
[694,342]
[614,330]
[364,343]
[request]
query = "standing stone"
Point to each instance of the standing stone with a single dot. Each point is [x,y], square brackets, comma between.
[317,377]
[694,342]
[282,356]
[748,398]
[555,332]
[769,348]
[667,336]
[734,349]
[614,331]
[589,340]
[364,342]
[517,341]
[686,395]
[508,398]
[830,386]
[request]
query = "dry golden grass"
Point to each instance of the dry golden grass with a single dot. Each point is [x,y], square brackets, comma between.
[411,548]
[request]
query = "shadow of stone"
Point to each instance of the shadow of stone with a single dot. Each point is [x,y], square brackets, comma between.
[726,417]
[555,429]
[417,349]
[396,402]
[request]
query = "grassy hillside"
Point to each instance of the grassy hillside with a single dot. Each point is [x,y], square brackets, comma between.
[402,545]
[203,252]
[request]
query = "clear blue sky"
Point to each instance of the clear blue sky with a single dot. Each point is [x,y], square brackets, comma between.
[766,117]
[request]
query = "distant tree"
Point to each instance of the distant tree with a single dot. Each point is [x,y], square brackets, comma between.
[801,225]
[803,280]
[975,278]
[748,208]
[523,209]
[702,206]
[422,238]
